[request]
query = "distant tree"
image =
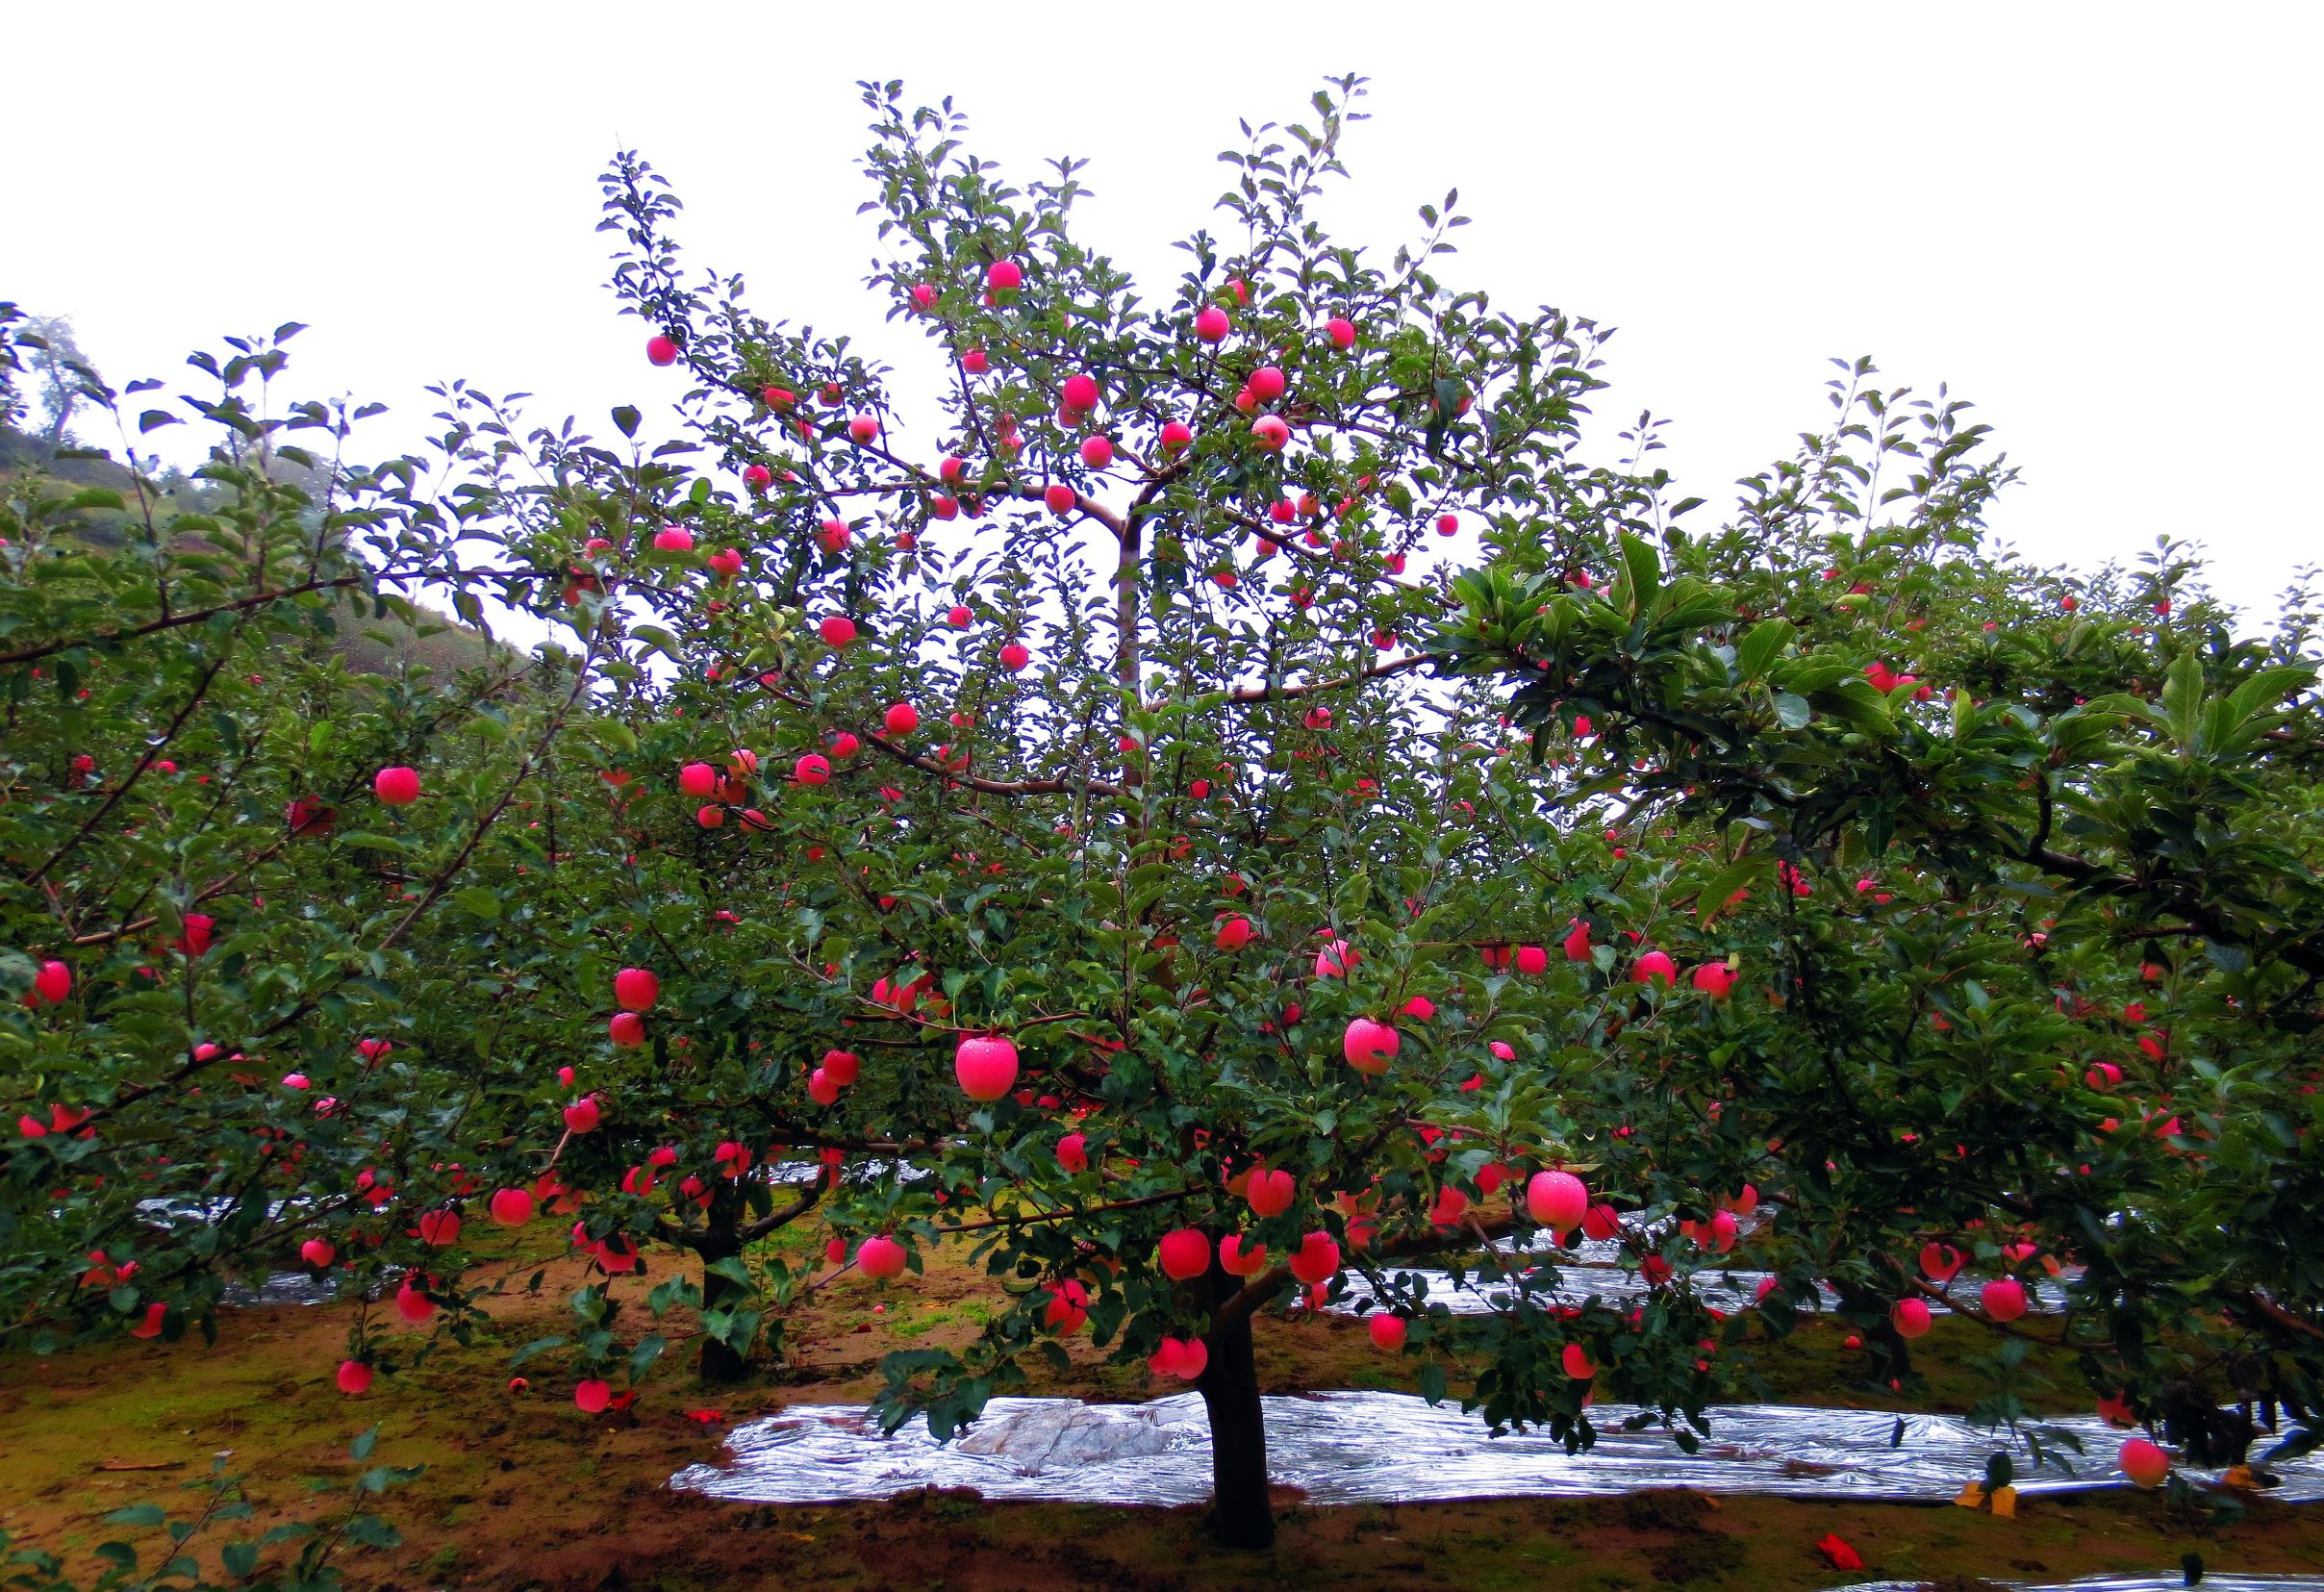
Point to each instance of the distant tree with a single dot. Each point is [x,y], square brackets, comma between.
[64,371]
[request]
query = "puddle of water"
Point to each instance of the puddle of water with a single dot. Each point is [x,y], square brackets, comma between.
[1380,1448]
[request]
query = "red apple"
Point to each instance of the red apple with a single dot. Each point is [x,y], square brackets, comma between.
[1559,1201]
[1388,1334]
[662,349]
[901,719]
[1370,1045]
[397,787]
[880,1257]
[635,990]
[1184,1254]
[985,1066]
[511,1207]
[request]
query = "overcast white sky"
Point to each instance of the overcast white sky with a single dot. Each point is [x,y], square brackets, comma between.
[2099,221]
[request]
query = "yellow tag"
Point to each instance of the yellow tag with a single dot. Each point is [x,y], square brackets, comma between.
[2005,1503]
[2238,1475]
[1972,1497]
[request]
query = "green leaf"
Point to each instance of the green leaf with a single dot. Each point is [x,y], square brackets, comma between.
[627,417]
[478,901]
[1760,648]
[364,1442]
[1792,712]
[137,1514]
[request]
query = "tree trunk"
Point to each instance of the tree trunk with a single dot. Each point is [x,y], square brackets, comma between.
[720,1240]
[1240,1513]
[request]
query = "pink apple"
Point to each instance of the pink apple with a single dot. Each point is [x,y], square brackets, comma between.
[1271,432]
[2144,1464]
[1447,524]
[354,1378]
[635,990]
[845,745]
[1654,967]
[438,1230]
[1184,1254]
[2004,1299]
[626,1030]
[1370,1045]
[1014,657]
[864,428]
[757,478]
[1059,497]
[593,1396]
[1714,979]
[1387,1332]
[319,1252]
[1004,276]
[1317,1260]
[697,780]
[1559,1201]
[1270,1192]
[778,398]
[813,769]
[1421,1007]
[844,1066]
[1239,1258]
[1096,452]
[662,349]
[1532,961]
[1079,394]
[1341,332]
[413,1305]
[986,1067]
[53,981]
[1072,1154]
[673,538]
[397,787]
[726,563]
[1176,434]
[822,1088]
[583,1115]
[1940,1263]
[880,1257]
[1910,1318]
[1211,324]
[511,1207]
[901,719]
[1267,383]
[974,362]
[959,618]
[1234,934]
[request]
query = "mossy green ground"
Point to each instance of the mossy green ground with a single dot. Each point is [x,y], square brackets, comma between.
[522,1490]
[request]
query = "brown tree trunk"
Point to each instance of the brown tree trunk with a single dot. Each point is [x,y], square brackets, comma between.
[720,1240]
[1240,1513]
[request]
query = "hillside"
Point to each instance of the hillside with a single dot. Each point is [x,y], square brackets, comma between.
[440,643]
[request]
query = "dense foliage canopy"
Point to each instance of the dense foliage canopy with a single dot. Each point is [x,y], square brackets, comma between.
[1238,803]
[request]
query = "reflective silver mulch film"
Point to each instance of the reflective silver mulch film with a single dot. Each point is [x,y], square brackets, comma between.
[2160,1581]
[1380,1448]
